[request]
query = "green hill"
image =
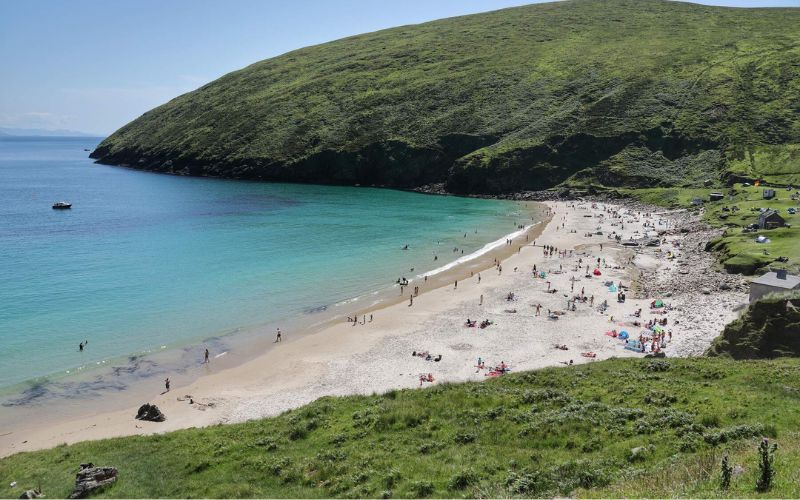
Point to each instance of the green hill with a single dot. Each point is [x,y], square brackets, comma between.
[621,92]
[616,428]
[770,328]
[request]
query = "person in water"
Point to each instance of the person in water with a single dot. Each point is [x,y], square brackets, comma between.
[206,357]
[80,347]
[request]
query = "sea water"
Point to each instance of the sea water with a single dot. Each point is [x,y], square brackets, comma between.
[144,261]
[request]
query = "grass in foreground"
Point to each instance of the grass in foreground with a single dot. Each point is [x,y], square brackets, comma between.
[614,428]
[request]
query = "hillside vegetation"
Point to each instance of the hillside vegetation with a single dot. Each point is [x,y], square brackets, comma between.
[770,328]
[618,92]
[615,428]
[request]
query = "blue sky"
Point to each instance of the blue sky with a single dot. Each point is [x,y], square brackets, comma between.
[93,65]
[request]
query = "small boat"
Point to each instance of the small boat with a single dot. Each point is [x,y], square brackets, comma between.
[61,205]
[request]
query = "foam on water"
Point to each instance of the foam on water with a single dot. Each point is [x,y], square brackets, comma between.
[482,251]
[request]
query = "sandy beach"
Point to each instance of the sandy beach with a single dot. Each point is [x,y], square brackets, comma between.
[376,356]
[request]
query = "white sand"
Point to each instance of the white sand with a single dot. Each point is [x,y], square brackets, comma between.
[345,359]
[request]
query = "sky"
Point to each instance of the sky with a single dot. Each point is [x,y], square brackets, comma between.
[94,65]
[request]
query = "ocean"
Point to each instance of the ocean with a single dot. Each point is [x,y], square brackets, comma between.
[145,263]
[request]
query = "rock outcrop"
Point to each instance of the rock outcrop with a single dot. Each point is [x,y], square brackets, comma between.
[91,478]
[150,413]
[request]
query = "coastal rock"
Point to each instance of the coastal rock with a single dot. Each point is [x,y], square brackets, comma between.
[32,494]
[91,478]
[150,413]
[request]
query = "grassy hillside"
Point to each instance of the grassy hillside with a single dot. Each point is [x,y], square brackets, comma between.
[622,92]
[628,427]
[770,328]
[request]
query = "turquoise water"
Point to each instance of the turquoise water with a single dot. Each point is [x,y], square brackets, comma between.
[145,260]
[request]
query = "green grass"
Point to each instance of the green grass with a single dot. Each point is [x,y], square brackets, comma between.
[738,251]
[627,92]
[776,164]
[548,432]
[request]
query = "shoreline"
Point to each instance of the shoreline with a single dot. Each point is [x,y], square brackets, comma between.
[341,358]
[241,345]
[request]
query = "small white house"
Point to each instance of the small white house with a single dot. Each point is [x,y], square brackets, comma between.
[773,282]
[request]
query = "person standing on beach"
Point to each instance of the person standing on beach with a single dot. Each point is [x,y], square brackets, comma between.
[455,287]
[479,278]
[481,302]
[206,357]
[410,300]
[166,384]
[278,336]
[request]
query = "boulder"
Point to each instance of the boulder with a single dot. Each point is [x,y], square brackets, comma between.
[151,413]
[91,478]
